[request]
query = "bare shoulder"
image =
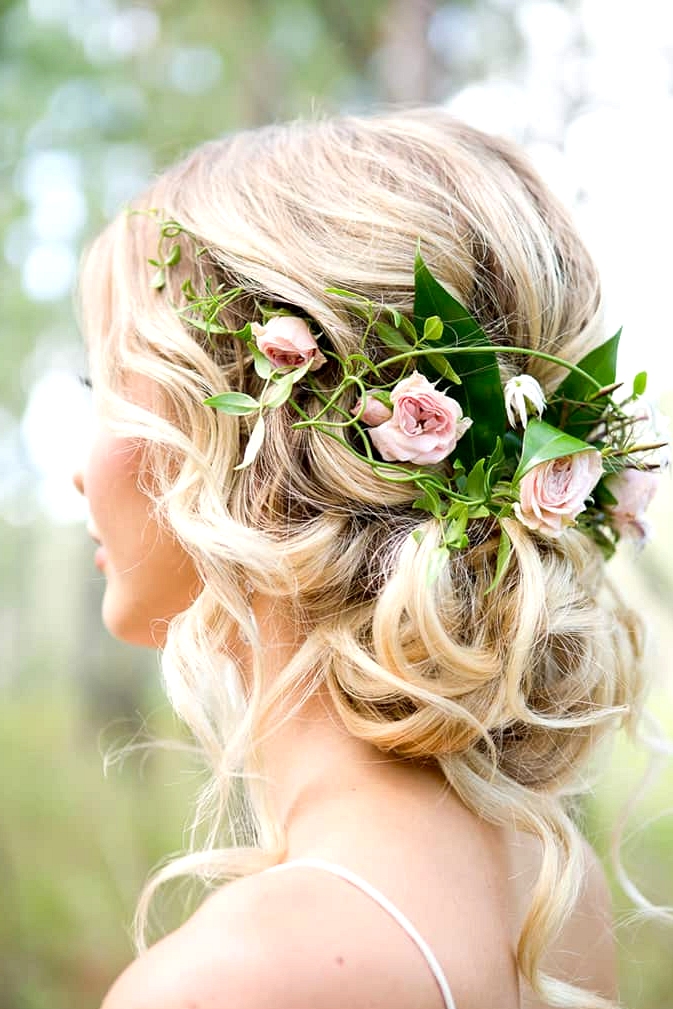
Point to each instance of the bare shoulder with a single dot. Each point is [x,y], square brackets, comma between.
[286,940]
[584,953]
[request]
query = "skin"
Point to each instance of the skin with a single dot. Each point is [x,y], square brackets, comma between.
[301,939]
[149,576]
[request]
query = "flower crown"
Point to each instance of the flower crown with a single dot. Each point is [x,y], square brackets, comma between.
[473,449]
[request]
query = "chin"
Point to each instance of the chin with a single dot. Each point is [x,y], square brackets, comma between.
[138,623]
[127,624]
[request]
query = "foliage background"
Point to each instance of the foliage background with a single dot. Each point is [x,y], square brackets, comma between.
[95,96]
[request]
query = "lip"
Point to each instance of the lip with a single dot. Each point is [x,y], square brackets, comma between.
[100,558]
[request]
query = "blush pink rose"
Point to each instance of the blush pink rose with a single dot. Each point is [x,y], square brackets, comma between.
[425,425]
[287,342]
[634,490]
[552,494]
[374,413]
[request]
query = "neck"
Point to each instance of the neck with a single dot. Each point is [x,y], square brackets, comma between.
[314,768]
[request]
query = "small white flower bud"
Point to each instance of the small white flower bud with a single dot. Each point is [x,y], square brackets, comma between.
[518,390]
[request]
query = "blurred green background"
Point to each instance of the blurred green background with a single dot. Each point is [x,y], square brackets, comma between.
[95,96]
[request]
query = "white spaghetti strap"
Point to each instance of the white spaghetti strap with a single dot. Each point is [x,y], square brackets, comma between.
[382,901]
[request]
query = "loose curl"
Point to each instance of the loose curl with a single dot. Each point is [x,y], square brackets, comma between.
[508,691]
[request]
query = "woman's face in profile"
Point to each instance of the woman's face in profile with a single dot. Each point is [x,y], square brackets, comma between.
[149,576]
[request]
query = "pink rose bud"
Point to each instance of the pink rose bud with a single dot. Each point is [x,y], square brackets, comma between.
[634,490]
[425,425]
[287,342]
[375,412]
[552,494]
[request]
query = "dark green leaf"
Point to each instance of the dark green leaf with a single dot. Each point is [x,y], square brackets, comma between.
[475,486]
[480,394]
[575,414]
[603,496]
[495,463]
[542,443]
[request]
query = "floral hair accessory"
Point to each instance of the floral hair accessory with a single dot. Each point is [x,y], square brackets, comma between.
[519,391]
[424,427]
[444,423]
[287,342]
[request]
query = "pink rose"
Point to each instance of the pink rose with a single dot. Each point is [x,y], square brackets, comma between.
[634,490]
[425,424]
[287,342]
[375,412]
[552,494]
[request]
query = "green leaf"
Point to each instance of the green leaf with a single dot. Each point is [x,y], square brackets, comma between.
[278,392]
[203,324]
[418,535]
[640,383]
[478,511]
[455,526]
[342,293]
[475,486]
[254,444]
[236,404]
[382,396]
[575,414]
[603,496]
[391,337]
[429,501]
[542,443]
[433,328]
[261,363]
[495,463]
[298,373]
[442,367]
[502,561]
[187,287]
[436,563]
[405,326]
[174,256]
[159,279]
[480,394]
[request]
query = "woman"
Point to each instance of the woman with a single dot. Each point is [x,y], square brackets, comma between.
[402,649]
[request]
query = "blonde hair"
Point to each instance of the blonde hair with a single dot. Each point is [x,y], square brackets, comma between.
[509,691]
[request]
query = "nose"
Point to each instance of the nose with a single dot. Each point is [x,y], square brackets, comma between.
[78,481]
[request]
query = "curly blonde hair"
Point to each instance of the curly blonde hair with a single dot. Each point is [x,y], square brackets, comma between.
[508,691]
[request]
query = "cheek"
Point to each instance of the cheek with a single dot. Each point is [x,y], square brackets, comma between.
[149,576]
[111,481]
